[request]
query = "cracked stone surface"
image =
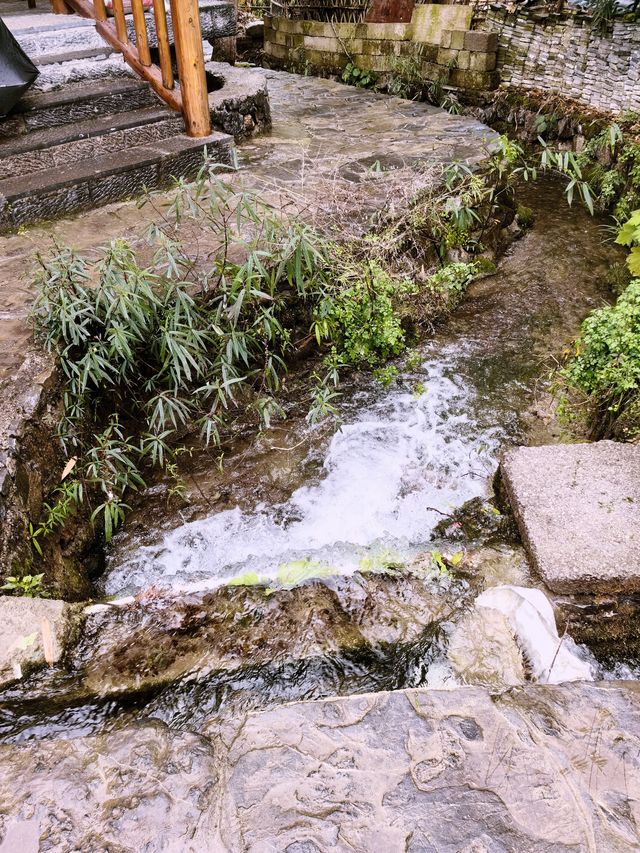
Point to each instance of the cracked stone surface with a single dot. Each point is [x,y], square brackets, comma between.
[537,769]
[578,511]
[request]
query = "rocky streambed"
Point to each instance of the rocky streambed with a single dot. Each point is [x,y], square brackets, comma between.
[338,642]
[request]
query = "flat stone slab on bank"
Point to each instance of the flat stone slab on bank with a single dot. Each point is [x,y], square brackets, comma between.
[539,769]
[578,510]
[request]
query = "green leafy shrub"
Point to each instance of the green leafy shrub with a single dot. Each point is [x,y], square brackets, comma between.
[359,314]
[149,351]
[606,366]
[451,282]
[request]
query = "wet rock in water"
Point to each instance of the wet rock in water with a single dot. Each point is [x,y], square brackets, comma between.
[578,511]
[494,566]
[483,650]
[477,520]
[608,624]
[154,642]
[536,768]
[33,632]
[140,788]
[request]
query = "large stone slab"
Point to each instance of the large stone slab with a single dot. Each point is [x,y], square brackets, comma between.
[537,769]
[578,510]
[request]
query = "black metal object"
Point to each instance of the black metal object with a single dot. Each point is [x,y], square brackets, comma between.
[17,71]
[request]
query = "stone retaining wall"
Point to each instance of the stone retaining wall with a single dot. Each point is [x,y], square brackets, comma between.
[439,37]
[564,55]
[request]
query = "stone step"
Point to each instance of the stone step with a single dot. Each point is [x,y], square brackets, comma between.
[62,191]
[76,102]
[78,34]
[70,143]
[73,56]
[97,68]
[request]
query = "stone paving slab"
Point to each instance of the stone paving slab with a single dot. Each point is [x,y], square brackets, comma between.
[536,769]
[578,511]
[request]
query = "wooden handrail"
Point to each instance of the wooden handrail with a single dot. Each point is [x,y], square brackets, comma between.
[191,98]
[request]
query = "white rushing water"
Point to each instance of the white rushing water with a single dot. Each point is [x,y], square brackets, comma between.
[399,461]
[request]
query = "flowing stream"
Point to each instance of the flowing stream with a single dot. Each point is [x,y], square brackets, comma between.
[407,455]
[339,499]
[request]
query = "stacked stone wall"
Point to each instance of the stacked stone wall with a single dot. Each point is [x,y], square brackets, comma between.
[438,37]
[564,55]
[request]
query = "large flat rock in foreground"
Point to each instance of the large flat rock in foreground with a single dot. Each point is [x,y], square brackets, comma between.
[554,768]
[578,510]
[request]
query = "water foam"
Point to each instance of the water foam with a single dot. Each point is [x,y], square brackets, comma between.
[397,464]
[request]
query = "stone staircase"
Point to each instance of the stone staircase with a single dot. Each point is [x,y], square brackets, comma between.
[89,132]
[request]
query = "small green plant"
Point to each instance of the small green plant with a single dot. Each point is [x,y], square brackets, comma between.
[629,235]
[360,315]
[386,376]
[28,586]
[451,282]
[568,164]
[524,216]
[354,76]
[603,12]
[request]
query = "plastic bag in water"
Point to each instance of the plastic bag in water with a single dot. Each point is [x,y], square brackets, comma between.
[17,71]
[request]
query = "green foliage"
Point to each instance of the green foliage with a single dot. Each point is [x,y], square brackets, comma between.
[606,364]
[359,314]
[603,12]
[629,235]
[68,496]
[175,343]
[612,163]
[386,376]
[567,163]
[27,586]
[406,80]
[354,76]
[200,333]
[451,282]
[525,216]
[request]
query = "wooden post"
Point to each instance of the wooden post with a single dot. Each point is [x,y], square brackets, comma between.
[164,47]
[187,37]
[140,26]
[121,24]
[100,10]
[59,7]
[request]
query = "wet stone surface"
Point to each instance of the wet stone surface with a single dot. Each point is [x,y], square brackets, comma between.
[536,769]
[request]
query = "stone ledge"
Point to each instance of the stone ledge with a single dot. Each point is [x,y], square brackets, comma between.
[578,511]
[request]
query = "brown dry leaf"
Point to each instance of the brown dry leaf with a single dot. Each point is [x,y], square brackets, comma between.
[68,468]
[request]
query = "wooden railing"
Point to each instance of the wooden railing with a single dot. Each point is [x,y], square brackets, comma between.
[190,96]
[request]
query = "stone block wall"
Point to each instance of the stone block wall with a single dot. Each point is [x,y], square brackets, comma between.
[438,37]
[564,55]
